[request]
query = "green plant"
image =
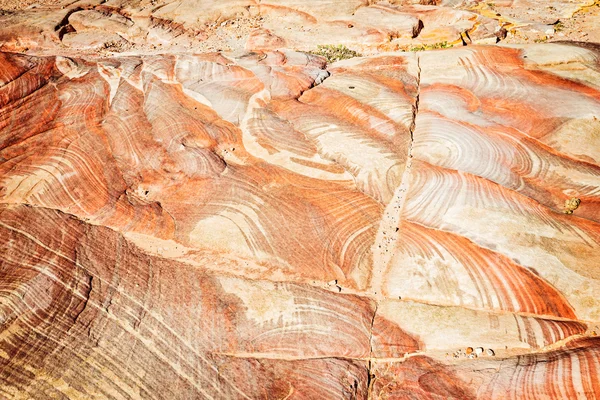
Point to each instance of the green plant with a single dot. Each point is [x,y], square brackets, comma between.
[335,53]
[434,46]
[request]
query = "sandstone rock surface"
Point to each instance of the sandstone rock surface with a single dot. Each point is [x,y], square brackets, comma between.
[201,226]
[193,206]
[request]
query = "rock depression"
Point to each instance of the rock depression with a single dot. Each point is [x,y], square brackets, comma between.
[184,226]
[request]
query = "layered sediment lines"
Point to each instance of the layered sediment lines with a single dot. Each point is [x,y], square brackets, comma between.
[203,226]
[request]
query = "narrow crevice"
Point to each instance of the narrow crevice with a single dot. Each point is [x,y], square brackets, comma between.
[64,27]
[371,330]
[389,227]
[467,36]
[417,29]
[320,78]
[370,381]
[413,123]
[370,375]
[400,197]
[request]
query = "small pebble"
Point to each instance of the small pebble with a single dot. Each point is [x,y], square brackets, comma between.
[490,352]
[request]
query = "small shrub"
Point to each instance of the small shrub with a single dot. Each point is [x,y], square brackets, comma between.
[435,46]
[335,53]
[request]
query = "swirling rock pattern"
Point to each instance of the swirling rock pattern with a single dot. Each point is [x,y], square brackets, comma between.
[270,226]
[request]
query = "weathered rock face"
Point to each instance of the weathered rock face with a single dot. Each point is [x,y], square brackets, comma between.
[202,226]
[366,26]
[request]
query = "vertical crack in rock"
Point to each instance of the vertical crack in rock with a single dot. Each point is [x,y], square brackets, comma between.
[415,110]
[370,364]
[389,228]
[369,382]
[388,233]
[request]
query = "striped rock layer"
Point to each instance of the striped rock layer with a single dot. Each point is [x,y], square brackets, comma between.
[199,226]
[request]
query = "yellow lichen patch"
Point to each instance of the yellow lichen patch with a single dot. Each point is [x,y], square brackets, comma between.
[571,205]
